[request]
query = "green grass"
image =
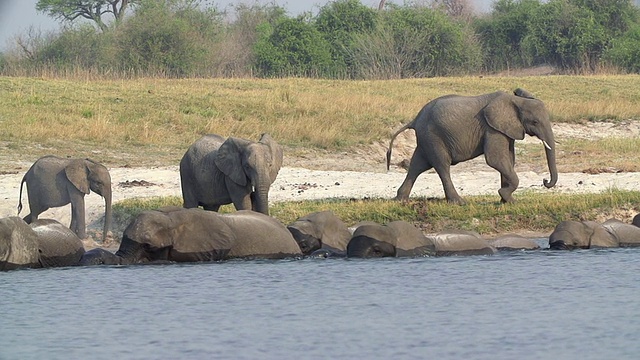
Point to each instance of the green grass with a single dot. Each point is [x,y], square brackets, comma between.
[538,212]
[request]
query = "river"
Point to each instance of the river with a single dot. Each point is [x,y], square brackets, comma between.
[523,305]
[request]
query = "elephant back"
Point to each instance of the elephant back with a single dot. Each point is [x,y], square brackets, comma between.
[509,242]
[410,241]
[18,244]
[628,235]
[260,236]
[461,242]
[57,244]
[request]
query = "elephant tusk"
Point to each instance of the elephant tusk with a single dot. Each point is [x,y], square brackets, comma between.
[546,145]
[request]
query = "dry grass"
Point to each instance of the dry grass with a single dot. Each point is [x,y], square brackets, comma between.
[163,116]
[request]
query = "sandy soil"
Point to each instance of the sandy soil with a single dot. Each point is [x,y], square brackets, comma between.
[358,174]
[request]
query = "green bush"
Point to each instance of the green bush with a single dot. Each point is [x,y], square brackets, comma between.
[292,47]
[625,51]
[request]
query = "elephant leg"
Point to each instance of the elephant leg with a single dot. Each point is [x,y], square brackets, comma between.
[418,165]
[441,161]
[78,224]
[210,207]
[504,163]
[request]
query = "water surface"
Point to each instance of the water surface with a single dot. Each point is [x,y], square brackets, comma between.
[523,305]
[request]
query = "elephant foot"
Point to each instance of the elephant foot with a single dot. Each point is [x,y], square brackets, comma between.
[506,198]
[456,201]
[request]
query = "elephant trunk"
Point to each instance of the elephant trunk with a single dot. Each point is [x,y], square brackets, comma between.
[550,150]
[107,215]
[262,199]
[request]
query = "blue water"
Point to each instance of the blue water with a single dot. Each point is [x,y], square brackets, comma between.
[525,305]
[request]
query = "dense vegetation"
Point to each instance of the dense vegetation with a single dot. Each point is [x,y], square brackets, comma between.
[344,40]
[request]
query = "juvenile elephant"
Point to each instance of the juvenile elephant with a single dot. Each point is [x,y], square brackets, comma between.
[509,242]
[192,235]
[452,129]
[215,172]
[461,242]
[53,181]
[321,230]
[571,234]
[43,243]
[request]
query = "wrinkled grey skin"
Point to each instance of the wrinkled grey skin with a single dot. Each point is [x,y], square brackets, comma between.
[18,244]
[628,235]
[53,182]
[41,244]
[571,234]
[57,244]
[321,230]
[191,235]
[99,256]
[510,242]
[215,172]
[452,129]
[461,242]
[395,239]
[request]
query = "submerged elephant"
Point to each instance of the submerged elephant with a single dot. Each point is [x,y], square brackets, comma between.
[43,243]
[509,242]
[99,256]
[572,234]
[461,242]
[452,129]
[57,244]
[395,239]
[192,235]
[215,172]
[53,181]
[322,231]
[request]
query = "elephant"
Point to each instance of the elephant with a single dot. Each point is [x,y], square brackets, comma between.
[41,244]
[321,230]
[453,128]
[460,242]
[215,172]
[18,244]
[194,235]
[509,242]
[571,234]
[636,220]
[395,239]
[99,256]
[53,181]
[57,244]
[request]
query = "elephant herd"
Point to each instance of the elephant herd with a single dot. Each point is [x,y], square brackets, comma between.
[215,171]
[175,234]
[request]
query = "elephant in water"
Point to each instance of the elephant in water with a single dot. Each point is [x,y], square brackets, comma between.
[322,231]
[53,181]
[191,235]
[452,129]
[216,171]
[399,238]
[510,242]
[43,243]
[571,234]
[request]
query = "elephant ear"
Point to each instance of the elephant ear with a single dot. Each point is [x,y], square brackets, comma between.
[229,159]
[276,155]
[503,115]
[77,174]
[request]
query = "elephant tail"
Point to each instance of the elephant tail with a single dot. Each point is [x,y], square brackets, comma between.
[20,196]
[393,137]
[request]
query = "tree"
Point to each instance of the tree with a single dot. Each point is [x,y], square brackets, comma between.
[94,10]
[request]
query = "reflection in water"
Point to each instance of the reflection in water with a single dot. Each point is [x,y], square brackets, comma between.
[525,305]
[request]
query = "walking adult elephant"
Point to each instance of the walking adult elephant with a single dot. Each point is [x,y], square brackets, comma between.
[193,235]
[53,181]
[215,172]
[452,129]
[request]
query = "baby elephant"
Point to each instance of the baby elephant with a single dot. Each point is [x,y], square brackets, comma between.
[53,182]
